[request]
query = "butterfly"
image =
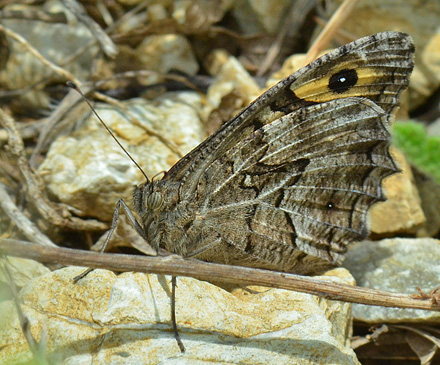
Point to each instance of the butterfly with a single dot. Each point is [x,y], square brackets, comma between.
[287,183]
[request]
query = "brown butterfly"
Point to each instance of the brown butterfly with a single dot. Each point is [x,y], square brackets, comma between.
[287,183]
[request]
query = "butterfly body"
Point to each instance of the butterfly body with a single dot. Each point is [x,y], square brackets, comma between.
[287,184]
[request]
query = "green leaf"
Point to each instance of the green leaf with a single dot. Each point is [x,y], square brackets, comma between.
[421,150]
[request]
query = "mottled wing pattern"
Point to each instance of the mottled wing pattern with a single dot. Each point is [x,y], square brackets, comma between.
[286,184]
[382,63]
[299,185]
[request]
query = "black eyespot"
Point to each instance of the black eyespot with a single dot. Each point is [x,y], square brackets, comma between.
[330,206]
[343,81]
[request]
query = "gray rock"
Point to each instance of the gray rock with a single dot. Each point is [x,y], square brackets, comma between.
[397,265]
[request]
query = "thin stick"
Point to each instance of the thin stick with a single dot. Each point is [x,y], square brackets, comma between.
[177,266]
[296,13]
[55,214]
[99,34]
[57,121]
[329,31]
[27,227]
[58,70]
[341,36]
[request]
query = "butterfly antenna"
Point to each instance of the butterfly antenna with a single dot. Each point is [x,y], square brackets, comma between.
[77,89]
[161,172]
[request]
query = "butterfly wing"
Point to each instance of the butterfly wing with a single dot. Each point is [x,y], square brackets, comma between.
[376,67]
[299,185]
[287,183]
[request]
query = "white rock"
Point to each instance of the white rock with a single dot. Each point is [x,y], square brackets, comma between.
[167,52]
[56,42]
[255,16]
[230,77]
[90,172]
[126,319]
[23,271]
[402,212]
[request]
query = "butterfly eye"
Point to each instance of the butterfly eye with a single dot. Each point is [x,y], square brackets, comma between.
[342,81]
[154,201]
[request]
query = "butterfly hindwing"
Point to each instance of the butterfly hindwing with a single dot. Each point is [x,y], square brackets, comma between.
[303,182]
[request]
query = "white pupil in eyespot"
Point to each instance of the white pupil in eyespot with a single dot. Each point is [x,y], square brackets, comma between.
[342,79]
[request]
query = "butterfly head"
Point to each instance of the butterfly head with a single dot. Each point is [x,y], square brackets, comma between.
[147,198]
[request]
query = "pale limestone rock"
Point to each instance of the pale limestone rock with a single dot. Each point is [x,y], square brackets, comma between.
[90,172]
[402,212]
[290,65]
[270,13]
[126,319]
[23,270]
[194,16]
[426,76]
[157,12]
[166,52]
[397,265]
[23,70]
[230,77]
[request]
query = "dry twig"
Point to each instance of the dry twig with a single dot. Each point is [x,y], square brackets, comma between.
[177,266]
[57,121]
[58,215]
[29,229]
[58,70]
[293,20]
[327,34]
[100,35]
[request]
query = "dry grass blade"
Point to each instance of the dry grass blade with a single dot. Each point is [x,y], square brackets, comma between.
[38,349]
[103,39]
[293,20]
[57,121]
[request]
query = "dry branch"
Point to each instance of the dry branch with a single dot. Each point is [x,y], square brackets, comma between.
[177,266]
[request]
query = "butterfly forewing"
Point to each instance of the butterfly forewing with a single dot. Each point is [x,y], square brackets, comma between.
[287,184]
[375,67]
[382,63]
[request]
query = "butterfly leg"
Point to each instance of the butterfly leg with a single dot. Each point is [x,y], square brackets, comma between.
[174,286]
[204,248]
[173,313]
[115,219]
